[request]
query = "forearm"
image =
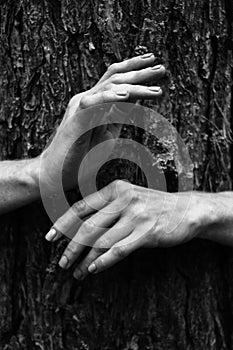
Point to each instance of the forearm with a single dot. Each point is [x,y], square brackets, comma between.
[216,216]
[19,183]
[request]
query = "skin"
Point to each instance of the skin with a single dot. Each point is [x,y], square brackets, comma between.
[18,184]
[20,181]
[122,218]
[123,82]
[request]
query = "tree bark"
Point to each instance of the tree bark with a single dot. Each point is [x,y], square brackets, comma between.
[179,298]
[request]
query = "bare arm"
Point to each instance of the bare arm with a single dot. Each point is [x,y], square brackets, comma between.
[19,184]
[136,217]
[218,217]
[123,82]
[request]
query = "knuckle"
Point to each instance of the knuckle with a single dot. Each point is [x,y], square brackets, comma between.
[79,207]
[116,183]
[130,195]
[120,185]
[113,68]
[130,213]
[112,187]
[116,78]
[83,103]
[117,187]
[102,245]
[144,215]
[71,248]
[105,95]
[119,251]
[135,196]
[101,263]
[84,238]
[85,233]
[89,225]
[125,87]
[110,86]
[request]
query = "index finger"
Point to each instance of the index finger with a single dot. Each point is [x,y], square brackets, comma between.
[69,223]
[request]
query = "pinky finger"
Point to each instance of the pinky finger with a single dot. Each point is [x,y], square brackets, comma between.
[115,254]
[103,97]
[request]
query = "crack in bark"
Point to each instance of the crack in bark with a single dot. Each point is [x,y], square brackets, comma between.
[229,17]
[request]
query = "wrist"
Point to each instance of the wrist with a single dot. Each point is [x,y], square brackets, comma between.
[210,215]
[29,177]
[219,226]
[202,214]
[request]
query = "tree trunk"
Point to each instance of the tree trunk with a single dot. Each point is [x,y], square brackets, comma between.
[179,298]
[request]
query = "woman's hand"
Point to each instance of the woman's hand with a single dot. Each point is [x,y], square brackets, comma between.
[123,82]
[121,218]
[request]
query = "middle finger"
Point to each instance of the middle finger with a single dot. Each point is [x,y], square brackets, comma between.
[119,231]
[89,231]
[146,75]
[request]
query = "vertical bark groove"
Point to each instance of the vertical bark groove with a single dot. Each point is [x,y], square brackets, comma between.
[160,299]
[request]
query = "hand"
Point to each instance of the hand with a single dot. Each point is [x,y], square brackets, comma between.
[123,82]
[123,218]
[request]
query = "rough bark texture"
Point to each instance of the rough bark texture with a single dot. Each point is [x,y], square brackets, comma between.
[179,298]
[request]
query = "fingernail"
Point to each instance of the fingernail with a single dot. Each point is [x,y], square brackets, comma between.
[147,55]
[51,234]
[122,93]
[92,268]
[156,67]
[154,89]
[63,263]
[78,274]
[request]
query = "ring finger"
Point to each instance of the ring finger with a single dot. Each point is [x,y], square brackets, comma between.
[121,229]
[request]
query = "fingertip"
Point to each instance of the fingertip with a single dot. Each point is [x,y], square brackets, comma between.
[160,92]
[92,268]
[159,68]
[163,69]
[51,235]
[156,89]
[57,237]
[147,56]
[122,93]
[64,262]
